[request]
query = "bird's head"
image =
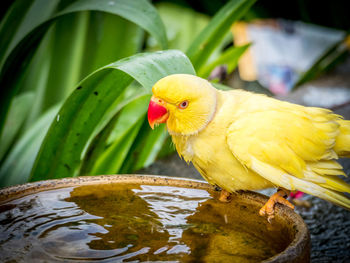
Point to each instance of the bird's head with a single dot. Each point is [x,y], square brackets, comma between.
[186,103]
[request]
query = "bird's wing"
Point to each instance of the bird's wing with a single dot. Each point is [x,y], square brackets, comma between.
[292,149]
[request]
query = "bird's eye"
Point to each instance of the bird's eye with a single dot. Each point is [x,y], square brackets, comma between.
[183,105]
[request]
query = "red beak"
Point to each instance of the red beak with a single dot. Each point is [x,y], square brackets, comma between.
[157,112]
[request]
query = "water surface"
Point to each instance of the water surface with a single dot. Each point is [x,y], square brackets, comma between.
[130,223]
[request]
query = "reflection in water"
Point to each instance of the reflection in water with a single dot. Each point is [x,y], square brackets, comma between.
[173,205]
[131,223]
[23,228]
[130,228]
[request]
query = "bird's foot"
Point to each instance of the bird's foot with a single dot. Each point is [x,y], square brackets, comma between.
[225,196]
[269,208]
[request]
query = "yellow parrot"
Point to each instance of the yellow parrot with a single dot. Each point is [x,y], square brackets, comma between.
[239,140]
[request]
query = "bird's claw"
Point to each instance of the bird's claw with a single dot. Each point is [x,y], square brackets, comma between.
[270,214]
[269,208]
[225,196]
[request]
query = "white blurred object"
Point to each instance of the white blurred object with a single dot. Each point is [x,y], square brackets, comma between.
[326,97]
[282,50]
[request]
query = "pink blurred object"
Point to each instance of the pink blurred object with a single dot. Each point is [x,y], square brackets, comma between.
[296,195]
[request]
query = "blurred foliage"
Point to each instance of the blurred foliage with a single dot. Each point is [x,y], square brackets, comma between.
[329,14]
[325,13]
[180,32]
[67,108]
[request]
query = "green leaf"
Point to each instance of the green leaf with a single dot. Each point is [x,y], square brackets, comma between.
[18,164]
[122,136]
[229,57]
[10,20]
[112,159]
[180,32]
[210,38]
[149,151]
[60,154]
[220,86]
[34,78]
[145,149]
[53,76]
[64,73]
[17,114]
[167,148]
[97,146]
[140,12]
[115,37]
[104,129]
[146,66]
[20,19]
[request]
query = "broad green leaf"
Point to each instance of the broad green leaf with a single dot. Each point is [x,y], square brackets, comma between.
[103,130]
[145,148]
[17,114]
[18,164]
[229,57]
[112,159]
[160,63]
[122,136]
[131,93]
[97,146]
[153,144]
[210,38]
[140,12]
[130,115]
[60,153]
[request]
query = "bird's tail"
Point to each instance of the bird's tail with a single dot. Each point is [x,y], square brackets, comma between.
[333,196]
[342,144]
[326,187]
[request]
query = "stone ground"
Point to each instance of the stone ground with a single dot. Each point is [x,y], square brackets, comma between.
[329,225]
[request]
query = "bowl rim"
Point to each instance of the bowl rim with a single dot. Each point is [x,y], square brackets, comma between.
[300,245]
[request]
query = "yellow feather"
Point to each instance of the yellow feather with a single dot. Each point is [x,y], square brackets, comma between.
[342,145]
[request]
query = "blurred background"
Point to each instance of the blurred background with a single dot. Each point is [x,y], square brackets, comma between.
[293,50]
[52,50]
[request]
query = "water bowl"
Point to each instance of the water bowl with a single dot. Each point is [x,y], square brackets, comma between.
[143,218]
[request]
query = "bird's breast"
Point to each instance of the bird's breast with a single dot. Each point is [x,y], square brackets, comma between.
[184,146]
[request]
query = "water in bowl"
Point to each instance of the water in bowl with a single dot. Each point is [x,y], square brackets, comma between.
[131,223]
